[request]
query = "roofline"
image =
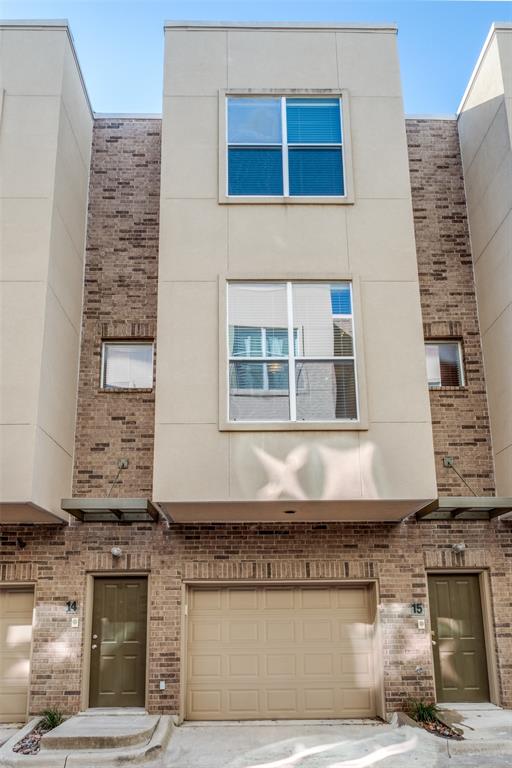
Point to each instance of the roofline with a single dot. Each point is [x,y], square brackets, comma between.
[55,23]
[495,27]
[282,25]
[60,24]
[431,117]
[127,115]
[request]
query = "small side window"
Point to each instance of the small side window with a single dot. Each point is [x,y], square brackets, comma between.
[127,365]
[444,364]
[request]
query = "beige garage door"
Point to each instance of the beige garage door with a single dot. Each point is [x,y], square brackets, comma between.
[264,652]
[15,638]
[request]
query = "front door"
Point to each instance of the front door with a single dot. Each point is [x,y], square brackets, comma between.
[458,638]
[118,643]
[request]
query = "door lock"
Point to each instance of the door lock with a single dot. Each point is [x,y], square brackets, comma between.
[94,646]
[95,637]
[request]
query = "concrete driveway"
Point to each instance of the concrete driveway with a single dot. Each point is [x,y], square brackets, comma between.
[328,744]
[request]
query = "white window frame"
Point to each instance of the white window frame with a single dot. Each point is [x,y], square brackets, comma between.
[291,359]
[129,343]
[264,360]
[286,198]
[454,343]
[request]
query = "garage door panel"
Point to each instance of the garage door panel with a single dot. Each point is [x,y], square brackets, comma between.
[319,700]
[208,600]
[279,664]
[201,630]
[278,599]
[242,600]
[205,703]
[282,700]
[245,701]
[318,664]
[279,631]
[16,608]
[313,660]
[317,630]
[205,665]
[242,631]
[15,635]
[354,629]
[358,701]
[243,665]
[352,598]
[355,663]
[316,599]
[14,669]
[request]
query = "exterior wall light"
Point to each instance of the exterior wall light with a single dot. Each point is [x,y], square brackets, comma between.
[116,551]
[459,548]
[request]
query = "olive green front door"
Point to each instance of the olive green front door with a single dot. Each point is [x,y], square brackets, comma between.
[118,643]
[458,641]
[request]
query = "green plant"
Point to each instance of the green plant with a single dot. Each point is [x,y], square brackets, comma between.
[51,718]
[422,711]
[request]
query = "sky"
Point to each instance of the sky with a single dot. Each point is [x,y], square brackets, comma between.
[120,42]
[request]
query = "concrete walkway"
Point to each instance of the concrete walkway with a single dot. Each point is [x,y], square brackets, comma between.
[330,744]
[6,731]
[299,744]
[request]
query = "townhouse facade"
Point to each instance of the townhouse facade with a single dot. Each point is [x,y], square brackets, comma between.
[256,394]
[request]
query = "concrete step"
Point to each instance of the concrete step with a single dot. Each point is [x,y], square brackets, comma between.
[135,755]
[101,731]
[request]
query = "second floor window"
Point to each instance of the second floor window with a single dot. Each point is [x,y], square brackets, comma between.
[291,352]
[444,364]
[127,365]
[284,147]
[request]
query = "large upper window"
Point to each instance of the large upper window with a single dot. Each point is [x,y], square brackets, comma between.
[284,147]
[127,365]
[444,364]
[291,352]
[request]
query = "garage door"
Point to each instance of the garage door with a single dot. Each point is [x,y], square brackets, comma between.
[15,639]
[263,652]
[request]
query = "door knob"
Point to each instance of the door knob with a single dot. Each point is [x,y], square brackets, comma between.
[433,643]
[94,646]
[95,637]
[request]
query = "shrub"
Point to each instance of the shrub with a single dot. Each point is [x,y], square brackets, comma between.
[51,719]
[422,711]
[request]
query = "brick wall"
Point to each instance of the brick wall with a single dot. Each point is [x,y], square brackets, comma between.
[120,300]
[460,418]
[397,555]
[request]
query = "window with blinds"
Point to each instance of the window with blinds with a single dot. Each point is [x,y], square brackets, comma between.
[284,147]
[127,365]
[291,352]
[444,364]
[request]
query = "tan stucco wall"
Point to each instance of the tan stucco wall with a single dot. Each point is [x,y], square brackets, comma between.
[45,139]
[485,129]
[371,240]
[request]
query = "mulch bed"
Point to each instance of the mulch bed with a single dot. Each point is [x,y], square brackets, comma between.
[440,729]
[31,743]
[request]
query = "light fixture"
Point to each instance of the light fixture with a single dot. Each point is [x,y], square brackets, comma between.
[116,551]
[458,548]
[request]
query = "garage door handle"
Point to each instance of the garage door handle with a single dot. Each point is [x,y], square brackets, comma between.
[94,646]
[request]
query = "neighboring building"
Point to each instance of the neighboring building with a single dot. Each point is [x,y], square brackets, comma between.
[485,127]
[282,495]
